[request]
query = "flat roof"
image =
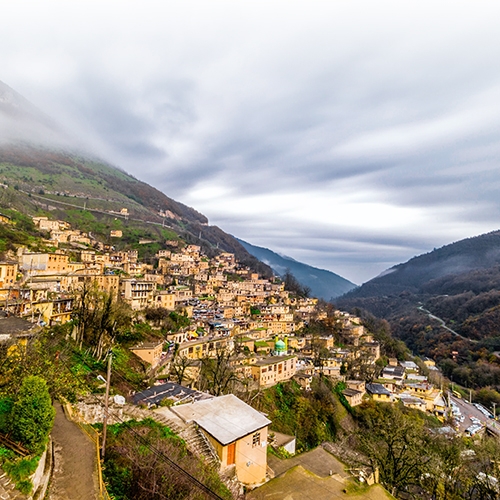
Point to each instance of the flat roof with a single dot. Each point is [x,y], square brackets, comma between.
[170,390]
[273,360]
[226,418]
[377,389]
[12,325]
[147,345]
[351,392]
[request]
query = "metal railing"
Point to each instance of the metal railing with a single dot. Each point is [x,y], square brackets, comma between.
[93,434]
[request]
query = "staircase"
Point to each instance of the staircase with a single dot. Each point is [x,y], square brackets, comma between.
[196,441]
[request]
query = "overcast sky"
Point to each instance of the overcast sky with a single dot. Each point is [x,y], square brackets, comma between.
[350,135]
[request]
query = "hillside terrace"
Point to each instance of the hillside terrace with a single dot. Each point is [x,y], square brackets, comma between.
[250,307]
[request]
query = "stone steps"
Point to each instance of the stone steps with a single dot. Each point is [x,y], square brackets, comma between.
[195,440]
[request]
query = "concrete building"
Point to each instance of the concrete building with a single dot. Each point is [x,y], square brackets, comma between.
[379,393]
[149,351]
[353,396]
[44,263]
[236,431]
[138,293]
[8,273]
[164,299]
[270,371]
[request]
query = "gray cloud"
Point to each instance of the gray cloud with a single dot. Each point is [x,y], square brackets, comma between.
[348,135]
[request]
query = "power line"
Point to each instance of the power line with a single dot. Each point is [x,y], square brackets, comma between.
[220,417]
[197,483]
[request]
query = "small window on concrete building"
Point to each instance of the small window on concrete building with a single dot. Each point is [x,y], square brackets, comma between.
[256,439]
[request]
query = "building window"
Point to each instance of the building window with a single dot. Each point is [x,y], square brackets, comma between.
[256,439]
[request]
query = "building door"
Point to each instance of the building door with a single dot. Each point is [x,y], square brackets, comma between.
[231,454]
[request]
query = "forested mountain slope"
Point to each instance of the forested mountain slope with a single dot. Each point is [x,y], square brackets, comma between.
[459,283]
[323,284]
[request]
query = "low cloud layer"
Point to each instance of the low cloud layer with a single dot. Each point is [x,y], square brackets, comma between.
[348,135]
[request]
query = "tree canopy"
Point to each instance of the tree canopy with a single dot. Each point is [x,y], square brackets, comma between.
[33,414]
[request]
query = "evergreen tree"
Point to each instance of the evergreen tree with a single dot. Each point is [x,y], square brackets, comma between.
[33,414]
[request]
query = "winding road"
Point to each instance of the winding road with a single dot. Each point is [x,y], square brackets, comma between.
[443,325]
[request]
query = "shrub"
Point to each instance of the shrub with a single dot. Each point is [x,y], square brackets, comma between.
[33,414]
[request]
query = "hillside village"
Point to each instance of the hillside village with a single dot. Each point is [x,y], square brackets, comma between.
[229,308]
[253,328]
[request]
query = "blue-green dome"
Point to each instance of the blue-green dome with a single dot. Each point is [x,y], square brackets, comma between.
[280,346]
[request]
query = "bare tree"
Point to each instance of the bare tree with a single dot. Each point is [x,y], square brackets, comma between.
[98,316]
[217,374]
[178,368]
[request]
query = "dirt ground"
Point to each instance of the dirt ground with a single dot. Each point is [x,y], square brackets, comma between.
[301,484]
[314,475]
[74,475]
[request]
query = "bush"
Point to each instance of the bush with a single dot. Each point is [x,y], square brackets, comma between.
[33,414]
[20,471]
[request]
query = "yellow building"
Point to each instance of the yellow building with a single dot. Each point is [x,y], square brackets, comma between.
[270,371]
[5,219]
[108,283]
[44,263]
[354,397]
[238,434]
[149,351]
[53,312]
[204,348]
[45,224]
[139,294]
[429,362]
[379,393]
[165,300]
[429,394]
[8,273]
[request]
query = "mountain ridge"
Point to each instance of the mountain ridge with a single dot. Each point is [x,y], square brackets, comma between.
[458,283]
[43,164]
[323,283]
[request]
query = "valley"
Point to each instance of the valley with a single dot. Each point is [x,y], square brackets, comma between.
[212,368]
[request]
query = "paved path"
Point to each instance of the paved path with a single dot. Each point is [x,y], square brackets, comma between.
[443,325]
[74,476]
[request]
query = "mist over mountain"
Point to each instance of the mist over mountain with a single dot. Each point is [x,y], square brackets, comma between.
[22,122]
[50,171]
[323,284]
[480,252]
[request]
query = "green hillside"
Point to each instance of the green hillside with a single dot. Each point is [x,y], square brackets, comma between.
[91,194]
[458,283]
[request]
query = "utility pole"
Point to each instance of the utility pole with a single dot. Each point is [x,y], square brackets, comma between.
[106,397]
[494,410]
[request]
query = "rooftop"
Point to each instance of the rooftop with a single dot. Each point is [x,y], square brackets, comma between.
[175,392]
[146,345]
[377,389]
[272,360]
[11,325]
[226,418]
[351,392]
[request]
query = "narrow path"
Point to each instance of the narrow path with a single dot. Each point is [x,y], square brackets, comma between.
[443,325]
[74,474]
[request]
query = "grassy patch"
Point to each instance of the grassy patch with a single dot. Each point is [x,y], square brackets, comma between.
[19,469]
[132,451]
